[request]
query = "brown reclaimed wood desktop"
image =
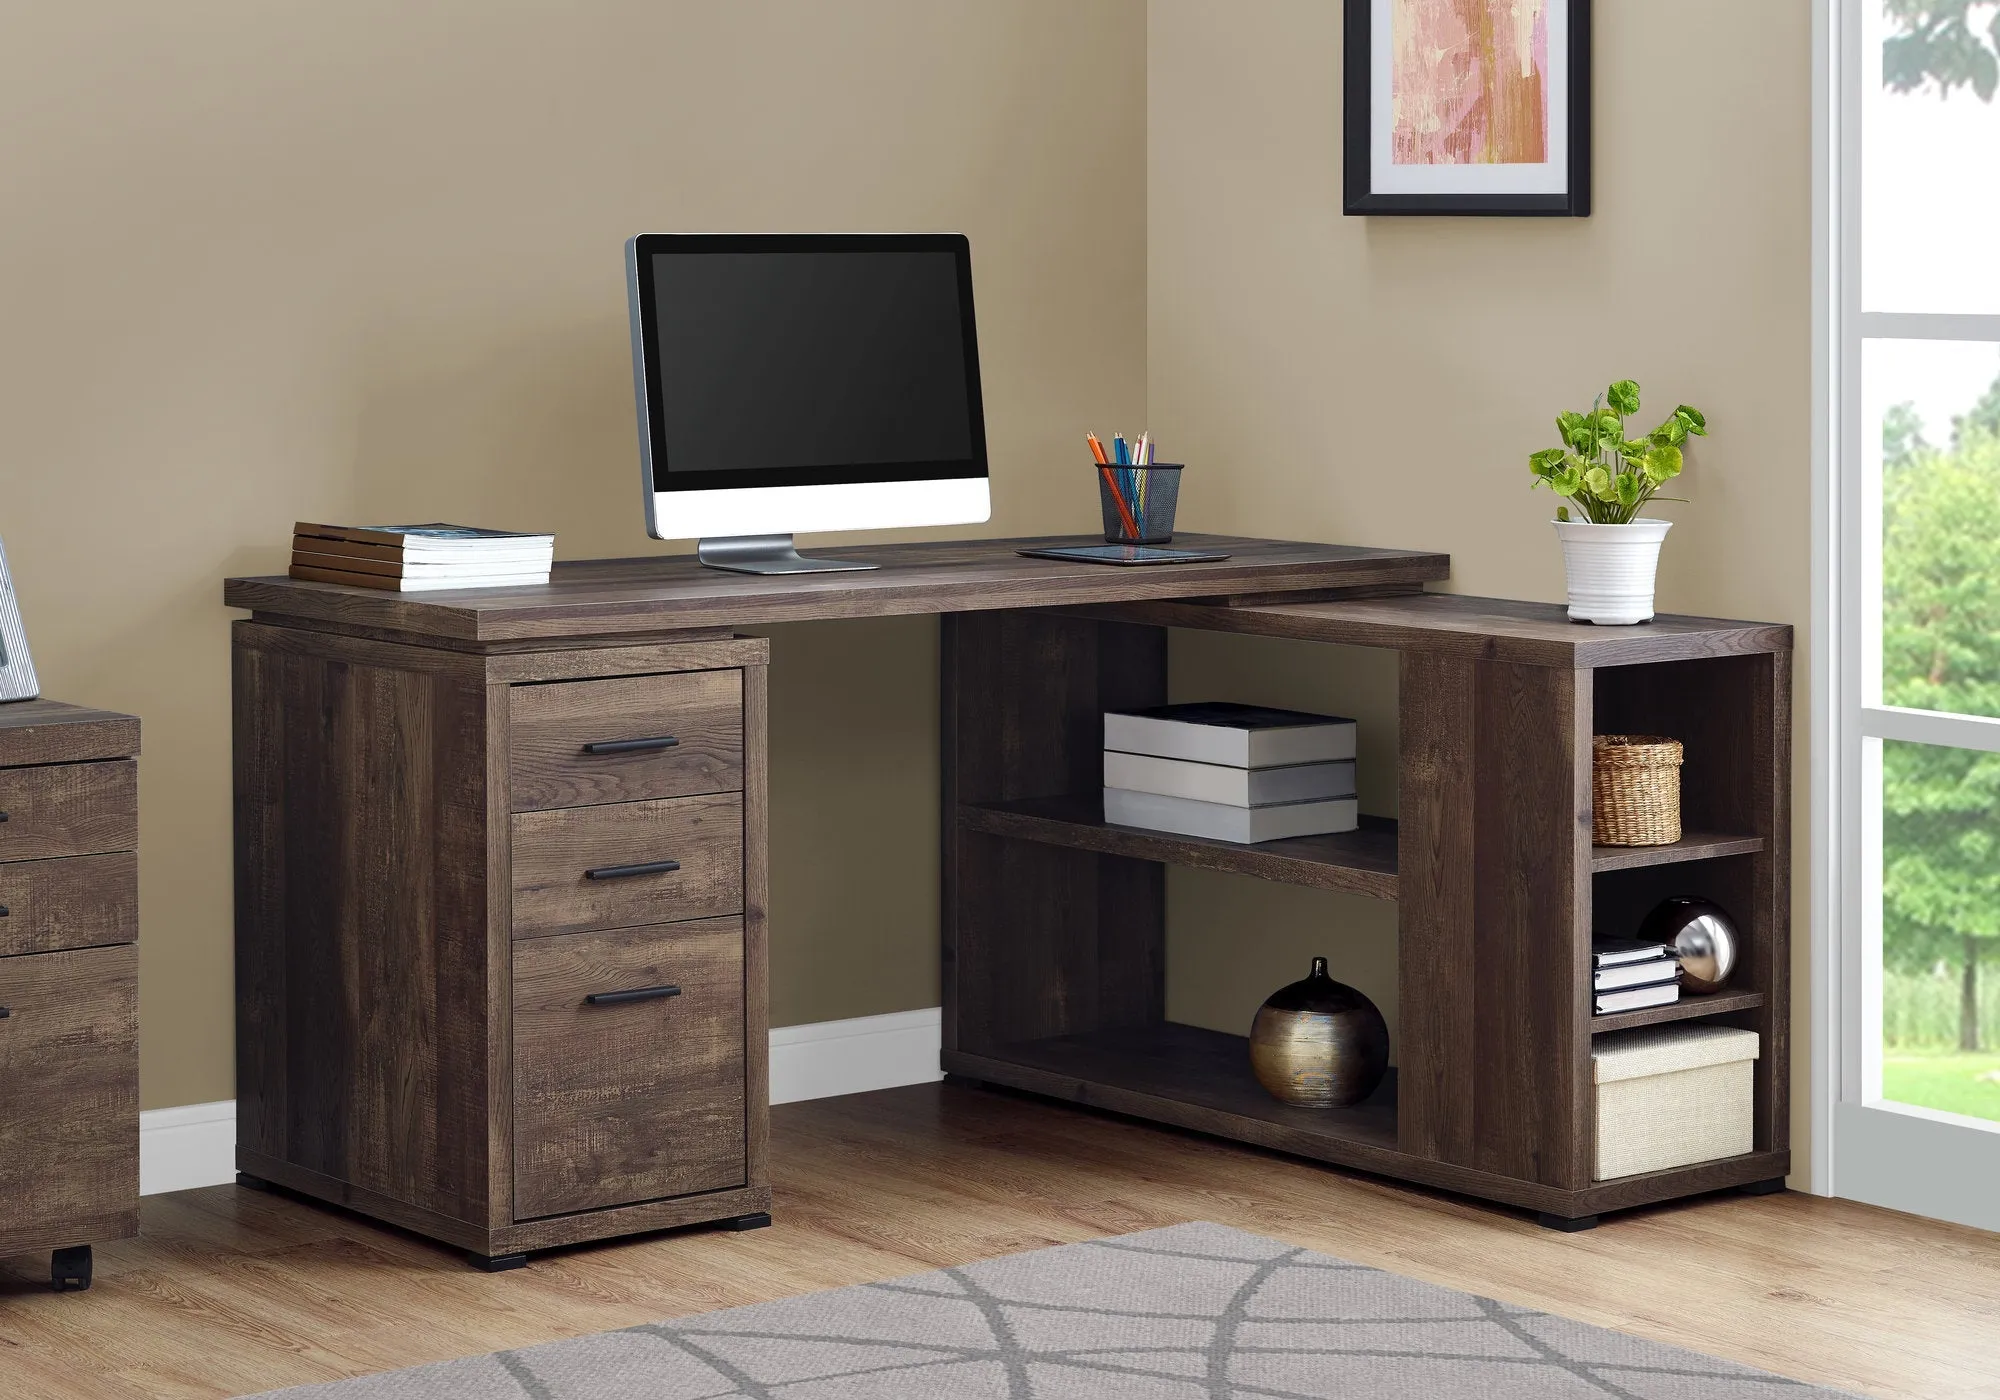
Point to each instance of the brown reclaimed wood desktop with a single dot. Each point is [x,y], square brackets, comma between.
[606,597]
[489,841]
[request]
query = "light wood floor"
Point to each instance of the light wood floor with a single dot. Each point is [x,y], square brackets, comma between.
[229,1291]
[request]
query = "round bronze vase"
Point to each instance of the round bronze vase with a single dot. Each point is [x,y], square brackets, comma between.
[1319,1043]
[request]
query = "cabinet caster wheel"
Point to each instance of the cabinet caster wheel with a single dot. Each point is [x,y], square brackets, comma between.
[757,1220]
[252,1183]
[497,1263]
[69,1269]
[1770,1186]
[1568,1224]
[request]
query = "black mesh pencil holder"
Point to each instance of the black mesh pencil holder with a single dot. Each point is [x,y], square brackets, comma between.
[1139,502]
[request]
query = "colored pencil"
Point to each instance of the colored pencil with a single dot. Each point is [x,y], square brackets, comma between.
[1118,499]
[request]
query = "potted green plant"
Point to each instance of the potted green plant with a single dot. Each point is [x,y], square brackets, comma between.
[1611,555]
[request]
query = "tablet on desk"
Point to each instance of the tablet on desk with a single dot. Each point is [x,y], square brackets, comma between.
[1124,554]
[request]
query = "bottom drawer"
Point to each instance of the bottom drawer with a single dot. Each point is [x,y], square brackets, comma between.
[625,1091]
[69,1098]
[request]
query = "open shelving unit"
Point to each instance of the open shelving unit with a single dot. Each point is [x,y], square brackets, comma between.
[1054,948]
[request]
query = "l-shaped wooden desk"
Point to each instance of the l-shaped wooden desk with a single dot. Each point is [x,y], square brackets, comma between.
[501,867]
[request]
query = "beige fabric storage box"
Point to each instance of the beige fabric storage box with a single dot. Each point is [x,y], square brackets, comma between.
[1669,1096]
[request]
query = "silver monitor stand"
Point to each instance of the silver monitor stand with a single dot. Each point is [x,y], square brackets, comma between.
[768,554]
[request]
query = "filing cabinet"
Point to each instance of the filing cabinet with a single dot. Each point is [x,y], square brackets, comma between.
[69,982]
[500,934]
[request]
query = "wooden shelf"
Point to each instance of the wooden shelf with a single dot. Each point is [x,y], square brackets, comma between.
[1198,1079]
[1356,862]
[1686,1009]
[1693,845]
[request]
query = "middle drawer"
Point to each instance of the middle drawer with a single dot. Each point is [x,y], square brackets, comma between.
[72,902]
[630,863]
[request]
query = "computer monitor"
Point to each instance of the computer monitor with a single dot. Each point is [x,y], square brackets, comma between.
[791,382]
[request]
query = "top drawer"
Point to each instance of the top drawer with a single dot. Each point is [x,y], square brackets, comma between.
[579,743]
[69,809]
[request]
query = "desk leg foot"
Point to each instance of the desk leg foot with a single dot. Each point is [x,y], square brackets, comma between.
[1770,1186]
[960,1081]
[1568,1224]
[497,1263]
[69,1269]
[252,1183]
[756,1220]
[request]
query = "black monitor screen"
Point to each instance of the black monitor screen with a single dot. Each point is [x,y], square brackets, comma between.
[816,360]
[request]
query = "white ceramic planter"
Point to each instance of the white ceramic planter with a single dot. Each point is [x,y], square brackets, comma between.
[1611,569]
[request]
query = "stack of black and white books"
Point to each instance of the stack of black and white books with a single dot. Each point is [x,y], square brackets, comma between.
[418,558]
[1628,975]
[1229,772]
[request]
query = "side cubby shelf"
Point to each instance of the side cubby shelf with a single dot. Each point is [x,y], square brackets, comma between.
[1732,714]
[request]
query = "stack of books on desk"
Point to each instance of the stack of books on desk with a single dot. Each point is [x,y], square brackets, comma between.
[1229,772]
[1627,975]
[412,558]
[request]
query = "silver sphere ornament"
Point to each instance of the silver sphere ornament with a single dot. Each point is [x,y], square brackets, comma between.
[1701,934]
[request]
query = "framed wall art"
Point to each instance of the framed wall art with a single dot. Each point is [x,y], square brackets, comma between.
[1467,107]
[17,672]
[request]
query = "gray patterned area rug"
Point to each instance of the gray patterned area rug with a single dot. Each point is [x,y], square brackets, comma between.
[1191,1312]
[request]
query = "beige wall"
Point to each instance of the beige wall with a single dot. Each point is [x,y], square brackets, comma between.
[1381,381]
[362,261]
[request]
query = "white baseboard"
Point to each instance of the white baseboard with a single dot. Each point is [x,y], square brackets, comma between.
[182,1148]
[195,1144]
[826,1058]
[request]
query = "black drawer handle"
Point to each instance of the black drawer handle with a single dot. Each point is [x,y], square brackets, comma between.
[663,741]
[4,1013]
[636,994]
[4,911]
[3,816]
[619,872]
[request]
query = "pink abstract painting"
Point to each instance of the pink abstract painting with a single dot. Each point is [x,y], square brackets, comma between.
[1469,85]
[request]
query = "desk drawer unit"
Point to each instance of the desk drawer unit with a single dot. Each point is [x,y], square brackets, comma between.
[69,982]
[500,933]
[628,1066]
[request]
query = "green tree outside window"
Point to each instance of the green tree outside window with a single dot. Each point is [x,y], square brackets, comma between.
[1941,600]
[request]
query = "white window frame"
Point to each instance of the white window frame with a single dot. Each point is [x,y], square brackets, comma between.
[1891,1154]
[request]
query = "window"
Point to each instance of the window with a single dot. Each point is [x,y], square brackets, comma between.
[1916,576]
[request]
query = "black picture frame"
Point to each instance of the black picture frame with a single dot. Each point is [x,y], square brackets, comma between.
[1360,196]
